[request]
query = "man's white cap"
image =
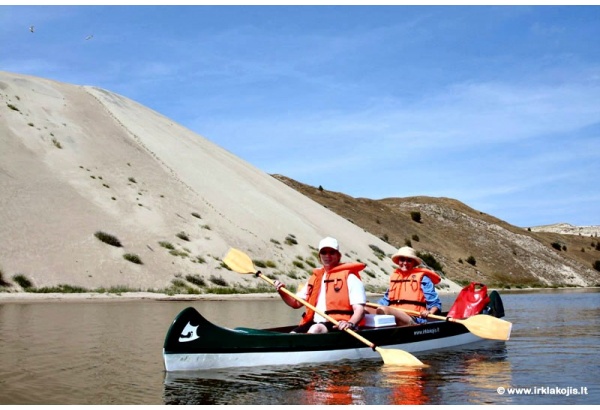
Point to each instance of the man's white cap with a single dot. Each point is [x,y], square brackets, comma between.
[329,242]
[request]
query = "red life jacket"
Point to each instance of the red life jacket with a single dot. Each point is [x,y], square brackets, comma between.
[405,288]
[336,287]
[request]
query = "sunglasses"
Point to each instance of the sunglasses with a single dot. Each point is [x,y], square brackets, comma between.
[403,259]
[328,252]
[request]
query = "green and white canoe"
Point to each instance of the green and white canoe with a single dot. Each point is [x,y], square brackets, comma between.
[193,343]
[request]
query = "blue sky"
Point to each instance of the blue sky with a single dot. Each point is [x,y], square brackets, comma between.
[495,106]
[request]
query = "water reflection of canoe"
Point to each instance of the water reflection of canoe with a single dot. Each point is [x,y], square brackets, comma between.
[193,343]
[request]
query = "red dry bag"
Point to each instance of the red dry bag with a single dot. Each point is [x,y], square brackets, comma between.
[470,301]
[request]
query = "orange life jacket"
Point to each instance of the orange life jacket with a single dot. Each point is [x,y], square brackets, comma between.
[336,287]
[405,288]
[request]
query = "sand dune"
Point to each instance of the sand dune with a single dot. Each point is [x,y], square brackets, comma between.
[76,160]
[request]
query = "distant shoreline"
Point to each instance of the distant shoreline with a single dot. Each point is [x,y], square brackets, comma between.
[25,297]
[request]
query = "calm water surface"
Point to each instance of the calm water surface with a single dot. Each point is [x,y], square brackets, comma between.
[111,353]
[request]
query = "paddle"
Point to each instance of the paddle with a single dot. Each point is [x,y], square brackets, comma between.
[241,263]
[485,326]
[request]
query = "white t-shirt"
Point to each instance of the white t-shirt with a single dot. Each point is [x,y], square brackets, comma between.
[356,290]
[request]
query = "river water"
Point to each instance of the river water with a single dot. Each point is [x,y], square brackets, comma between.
[111,353]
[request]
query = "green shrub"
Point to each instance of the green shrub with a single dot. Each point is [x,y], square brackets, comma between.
[3,283]
[133,258]
[258,263]
[61,288]
[196,215]
[471,260]
[108,238]
[166,244]
[218,281]
[196,280]
[415,216]
[415,238]
[377,250]
[23,281]
[291,240]
[12,107]
[556,246]
[183,235]
[430,261]
[596,265]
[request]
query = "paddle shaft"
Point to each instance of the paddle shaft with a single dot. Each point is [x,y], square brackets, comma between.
[314,309]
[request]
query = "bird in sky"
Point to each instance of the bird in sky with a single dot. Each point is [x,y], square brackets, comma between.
[89,37]
[31,28]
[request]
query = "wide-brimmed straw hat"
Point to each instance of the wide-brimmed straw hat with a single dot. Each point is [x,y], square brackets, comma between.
[407,252]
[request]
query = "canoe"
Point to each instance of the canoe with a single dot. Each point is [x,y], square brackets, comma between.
[193,343]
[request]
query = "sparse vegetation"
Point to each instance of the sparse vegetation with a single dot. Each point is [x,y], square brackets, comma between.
[166,245]
[379,253]
[291,240]
[56,143]
[196,215]
[259,264]
[596,265]
[12,107]
[556,246]
[196,280]
[218,280]
[22,281]
[471,260]
[3,283]
[131,179]
[415,216]
[108,238]
[415,238]
[182,235]
[131,257]
[176,252]
[430,261]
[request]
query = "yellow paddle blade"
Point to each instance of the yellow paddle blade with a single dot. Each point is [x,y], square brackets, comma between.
[238,261]
[399,358]
[487,327]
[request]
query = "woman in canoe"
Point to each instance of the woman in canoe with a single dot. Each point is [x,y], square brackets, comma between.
[335,288]
[411,288]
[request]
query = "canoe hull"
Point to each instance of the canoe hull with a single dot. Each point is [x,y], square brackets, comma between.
[193,343]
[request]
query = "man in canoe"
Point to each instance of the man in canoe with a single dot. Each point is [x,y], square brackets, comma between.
[335,289]
[411,288]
